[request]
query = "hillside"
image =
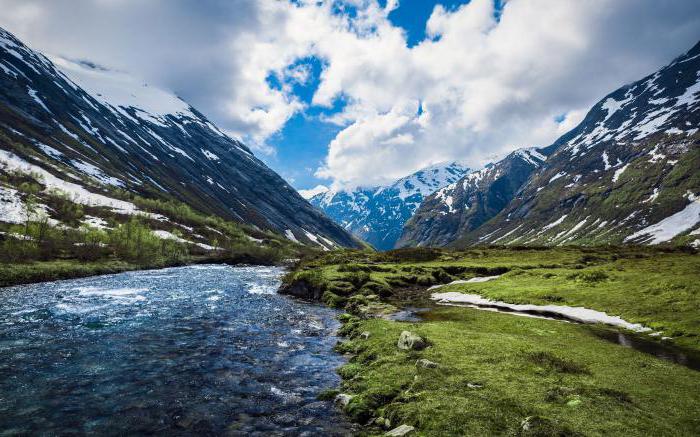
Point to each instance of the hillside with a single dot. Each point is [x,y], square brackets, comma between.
[103,138]
[628,173]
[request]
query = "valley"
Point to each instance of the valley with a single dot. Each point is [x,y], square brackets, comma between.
[158,277]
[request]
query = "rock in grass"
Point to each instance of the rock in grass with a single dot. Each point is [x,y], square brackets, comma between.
[401,431]
[365,335]
[411,341]
[426,364]
[343,399]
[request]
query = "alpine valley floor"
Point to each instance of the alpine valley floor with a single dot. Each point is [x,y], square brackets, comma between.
[475,372]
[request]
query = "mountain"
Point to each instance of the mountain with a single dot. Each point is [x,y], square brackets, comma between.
[377,214]
[463,206]
[108,133]
[628,173]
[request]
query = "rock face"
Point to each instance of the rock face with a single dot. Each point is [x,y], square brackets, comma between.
[628,173]
[465,205]
[411,341]
[401,431]
[377,214]
[106,130]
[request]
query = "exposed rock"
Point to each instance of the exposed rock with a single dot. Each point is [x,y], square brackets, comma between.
[411,341]
[343,399]
[365,335]
[301,289]
[401,430]
[426,364]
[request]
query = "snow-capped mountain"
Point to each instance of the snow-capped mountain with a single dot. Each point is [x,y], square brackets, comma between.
[628,173]
[465,205]
[102,131]
[377,214]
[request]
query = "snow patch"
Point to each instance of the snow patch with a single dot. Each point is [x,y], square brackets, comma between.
[577,314]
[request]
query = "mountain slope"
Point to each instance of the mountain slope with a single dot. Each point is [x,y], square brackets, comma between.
[465,205]
[107,132]
[377,214]
[629,173]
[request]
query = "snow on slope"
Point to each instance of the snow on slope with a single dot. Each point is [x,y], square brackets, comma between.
[672,225]
[118,89]
[78,194]
[377,214]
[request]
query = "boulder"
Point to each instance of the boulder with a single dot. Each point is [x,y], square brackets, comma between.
[343,399]
[411,341]
[401,430]
[426,364]
[365,335]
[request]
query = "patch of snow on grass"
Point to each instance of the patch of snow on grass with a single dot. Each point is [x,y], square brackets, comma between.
[577,314]
[12,208]
[556,222]
[556,176]
[619,172]
[290,235]
[78,194]
[672,225]
[467,281]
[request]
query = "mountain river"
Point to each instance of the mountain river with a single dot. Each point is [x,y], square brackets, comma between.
[205,350]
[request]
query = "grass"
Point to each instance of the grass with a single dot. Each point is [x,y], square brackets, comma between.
[499,374]
[40,271]
[496,370]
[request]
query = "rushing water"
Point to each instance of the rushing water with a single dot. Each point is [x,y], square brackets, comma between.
[190,350]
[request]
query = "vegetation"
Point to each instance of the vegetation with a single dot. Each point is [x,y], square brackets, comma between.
[58,239]
[500,374]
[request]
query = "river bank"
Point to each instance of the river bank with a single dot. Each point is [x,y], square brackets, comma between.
[42,271]
[486,373]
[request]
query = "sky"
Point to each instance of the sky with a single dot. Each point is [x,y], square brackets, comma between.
[343,93]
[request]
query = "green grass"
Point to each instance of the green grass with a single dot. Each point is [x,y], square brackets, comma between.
[497,370]
[661,291]
[39,271]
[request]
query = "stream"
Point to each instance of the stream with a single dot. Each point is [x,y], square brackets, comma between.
[205,350]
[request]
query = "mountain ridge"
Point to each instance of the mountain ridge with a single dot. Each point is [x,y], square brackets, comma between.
[141,139]
[377,214]
[628,173]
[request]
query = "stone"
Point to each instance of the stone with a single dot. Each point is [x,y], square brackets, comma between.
[343,399]
[401,430]
[426,364]
[365,335]
[411,341]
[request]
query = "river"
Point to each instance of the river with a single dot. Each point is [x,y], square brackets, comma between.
[204,350]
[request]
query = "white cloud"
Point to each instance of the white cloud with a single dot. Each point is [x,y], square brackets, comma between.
[475,88]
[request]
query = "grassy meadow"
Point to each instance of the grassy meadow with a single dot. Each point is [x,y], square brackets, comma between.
[491,373]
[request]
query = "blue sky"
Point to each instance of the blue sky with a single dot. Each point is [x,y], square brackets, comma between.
[362,92]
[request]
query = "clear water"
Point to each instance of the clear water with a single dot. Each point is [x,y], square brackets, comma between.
[190,350]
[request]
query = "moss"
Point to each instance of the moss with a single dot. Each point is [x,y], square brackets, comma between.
[333,300]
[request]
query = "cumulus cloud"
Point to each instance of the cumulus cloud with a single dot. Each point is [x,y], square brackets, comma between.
[475,88]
